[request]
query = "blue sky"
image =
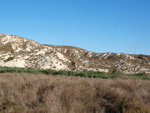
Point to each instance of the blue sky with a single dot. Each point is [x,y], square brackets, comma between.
[95,25]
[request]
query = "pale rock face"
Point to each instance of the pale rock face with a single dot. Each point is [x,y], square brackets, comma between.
[119,54]
[62,57]
[14,63]
[129,57]
[52,63]
[28,48]
[40,52]
[7,39]
[101,70]
[28,53]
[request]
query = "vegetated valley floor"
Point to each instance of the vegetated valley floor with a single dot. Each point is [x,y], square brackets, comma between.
[39,93]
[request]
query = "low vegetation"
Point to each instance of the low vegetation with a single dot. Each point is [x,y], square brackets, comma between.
[37,93]
[87,74]
[10,58]
[28,90]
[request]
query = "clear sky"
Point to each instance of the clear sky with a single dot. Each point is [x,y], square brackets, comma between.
[95,25]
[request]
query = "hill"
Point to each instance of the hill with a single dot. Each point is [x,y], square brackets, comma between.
[16,51]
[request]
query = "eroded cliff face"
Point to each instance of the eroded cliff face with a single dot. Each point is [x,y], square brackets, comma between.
[20,52]
[16,51]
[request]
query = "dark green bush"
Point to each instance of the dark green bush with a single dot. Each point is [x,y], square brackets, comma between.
[10,58]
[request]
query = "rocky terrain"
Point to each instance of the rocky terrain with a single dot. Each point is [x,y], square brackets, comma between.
[16,51]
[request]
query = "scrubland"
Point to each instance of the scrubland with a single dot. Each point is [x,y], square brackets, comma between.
[39,93]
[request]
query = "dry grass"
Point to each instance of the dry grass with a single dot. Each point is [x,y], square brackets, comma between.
[35,93]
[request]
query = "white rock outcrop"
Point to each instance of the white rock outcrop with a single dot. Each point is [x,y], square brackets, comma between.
[16,51]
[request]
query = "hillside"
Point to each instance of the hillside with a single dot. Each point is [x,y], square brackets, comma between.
[16,51]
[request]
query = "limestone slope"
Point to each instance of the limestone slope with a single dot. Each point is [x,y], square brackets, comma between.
[16,51]
[20,52]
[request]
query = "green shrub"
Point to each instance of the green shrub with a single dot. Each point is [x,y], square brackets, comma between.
[12,51]
[89,74]
[10,58]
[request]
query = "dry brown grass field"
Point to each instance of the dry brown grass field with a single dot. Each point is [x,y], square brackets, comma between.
[36,93]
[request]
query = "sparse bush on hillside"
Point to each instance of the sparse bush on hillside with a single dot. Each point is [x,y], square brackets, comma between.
[36,93]
[10,58]
[113,70]
[5,48]
[12,51]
